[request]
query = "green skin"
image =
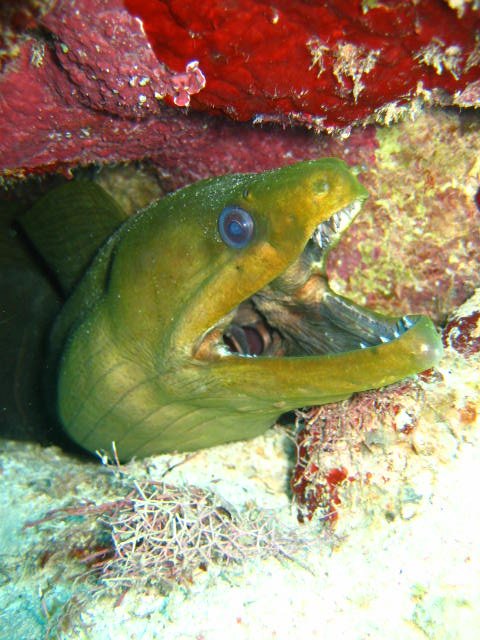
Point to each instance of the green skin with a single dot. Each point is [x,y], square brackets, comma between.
[134,350]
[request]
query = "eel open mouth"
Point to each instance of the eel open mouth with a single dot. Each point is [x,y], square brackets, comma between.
[298,314]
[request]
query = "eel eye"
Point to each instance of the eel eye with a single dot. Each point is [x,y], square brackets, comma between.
[236,227]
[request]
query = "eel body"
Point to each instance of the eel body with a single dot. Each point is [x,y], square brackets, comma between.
[202,318]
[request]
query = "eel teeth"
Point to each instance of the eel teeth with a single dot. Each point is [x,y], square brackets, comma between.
[328,231]
[407,322]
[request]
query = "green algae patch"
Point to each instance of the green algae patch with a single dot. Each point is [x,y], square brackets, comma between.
[416,242]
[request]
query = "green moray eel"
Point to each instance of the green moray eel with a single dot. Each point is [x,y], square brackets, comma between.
[202,318]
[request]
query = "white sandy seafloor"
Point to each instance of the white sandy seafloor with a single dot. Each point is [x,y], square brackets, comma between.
[411,576]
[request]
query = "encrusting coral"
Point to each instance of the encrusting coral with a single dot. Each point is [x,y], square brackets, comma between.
[100,75]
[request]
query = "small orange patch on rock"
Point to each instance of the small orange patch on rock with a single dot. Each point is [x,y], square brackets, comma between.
[468,413]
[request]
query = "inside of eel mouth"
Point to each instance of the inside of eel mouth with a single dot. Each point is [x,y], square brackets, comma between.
[297,314]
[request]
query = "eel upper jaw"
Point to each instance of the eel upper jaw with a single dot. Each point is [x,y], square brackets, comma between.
[298,314]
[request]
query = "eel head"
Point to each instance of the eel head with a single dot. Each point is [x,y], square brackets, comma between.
[209,314]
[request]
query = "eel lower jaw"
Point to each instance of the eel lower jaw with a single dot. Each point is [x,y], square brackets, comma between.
[297,314]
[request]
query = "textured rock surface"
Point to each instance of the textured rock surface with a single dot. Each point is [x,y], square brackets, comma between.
[398,466]
[414,247]
[401,558]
